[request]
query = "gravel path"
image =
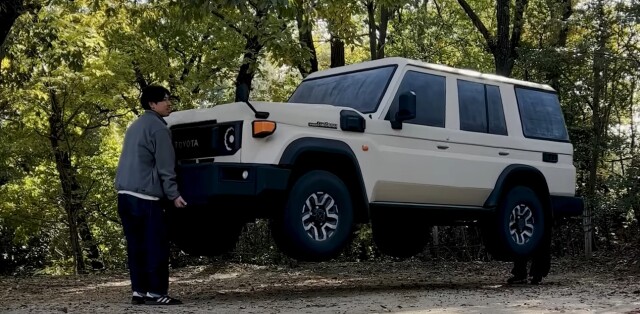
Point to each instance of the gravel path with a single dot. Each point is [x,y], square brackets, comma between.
[399,287]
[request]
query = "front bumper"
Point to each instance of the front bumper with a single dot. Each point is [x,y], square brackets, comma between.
[237,185]
[567,206]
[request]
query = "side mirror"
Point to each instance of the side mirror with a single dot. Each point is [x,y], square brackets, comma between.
[406,109]
[242,95]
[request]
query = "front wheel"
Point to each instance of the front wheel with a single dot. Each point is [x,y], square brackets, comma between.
[519,226]
[317,220]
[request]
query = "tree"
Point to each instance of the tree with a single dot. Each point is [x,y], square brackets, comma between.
[63,99]
[386,10]
[10,11]
[305,36]
[342,28]
[261,24]
[173,44]
[504,44]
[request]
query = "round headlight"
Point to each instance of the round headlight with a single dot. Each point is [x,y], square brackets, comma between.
[230,138]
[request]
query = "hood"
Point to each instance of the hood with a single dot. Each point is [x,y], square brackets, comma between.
[288,113]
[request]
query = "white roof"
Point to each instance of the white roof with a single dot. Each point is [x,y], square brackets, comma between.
[436,67]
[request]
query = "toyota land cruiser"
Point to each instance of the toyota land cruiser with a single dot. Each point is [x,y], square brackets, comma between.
[399,143]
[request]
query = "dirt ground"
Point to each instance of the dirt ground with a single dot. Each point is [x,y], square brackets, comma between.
[574,286]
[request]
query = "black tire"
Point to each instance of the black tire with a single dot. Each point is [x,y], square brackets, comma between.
[198,233]
[329,223]
[400,237]
[518,227]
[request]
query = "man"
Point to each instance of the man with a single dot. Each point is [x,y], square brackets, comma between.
[145,179]
[540,265]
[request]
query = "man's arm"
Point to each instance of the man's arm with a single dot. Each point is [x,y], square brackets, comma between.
[165,163]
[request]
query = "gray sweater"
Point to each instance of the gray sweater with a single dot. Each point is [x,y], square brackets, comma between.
[147,161]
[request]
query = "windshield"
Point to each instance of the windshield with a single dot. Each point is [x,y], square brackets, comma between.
[360,90]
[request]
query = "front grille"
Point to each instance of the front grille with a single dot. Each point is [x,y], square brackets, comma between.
[206,139]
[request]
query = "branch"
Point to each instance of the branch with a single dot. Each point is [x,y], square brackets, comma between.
[187,68]
[142,83]
[230,24]
[74,114]
[253,5]
[491,41]
[128,101]
[585,99]
[437,8]
[103,123]
[182,53]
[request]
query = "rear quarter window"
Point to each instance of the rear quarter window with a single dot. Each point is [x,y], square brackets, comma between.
[541,115]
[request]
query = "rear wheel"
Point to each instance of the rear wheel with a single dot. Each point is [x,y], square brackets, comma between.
[317,220]
[518,227]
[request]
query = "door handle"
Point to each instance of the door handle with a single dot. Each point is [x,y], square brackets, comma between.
[504,153]
[443,147]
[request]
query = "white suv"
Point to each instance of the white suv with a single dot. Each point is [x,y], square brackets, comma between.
[399,143]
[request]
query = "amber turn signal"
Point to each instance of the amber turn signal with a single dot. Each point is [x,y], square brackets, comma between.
[263,128]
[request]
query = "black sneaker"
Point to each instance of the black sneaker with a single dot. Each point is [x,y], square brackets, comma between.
[162,300]
[517,280]
[136,300]
[535,280]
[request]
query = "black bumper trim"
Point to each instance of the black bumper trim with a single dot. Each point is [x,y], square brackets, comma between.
[567,206]
[203,184]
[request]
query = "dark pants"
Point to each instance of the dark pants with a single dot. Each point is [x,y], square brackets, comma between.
[145,228]
[540,266]
[540,262]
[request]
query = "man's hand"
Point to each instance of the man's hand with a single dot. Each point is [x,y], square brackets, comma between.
[179,202]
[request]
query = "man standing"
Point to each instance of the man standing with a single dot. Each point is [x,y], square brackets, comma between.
[540,265]
[145,179]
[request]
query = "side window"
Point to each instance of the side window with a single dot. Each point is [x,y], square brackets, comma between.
[497,123]
[473,108]
[430,98]
[481,108]
[541,115]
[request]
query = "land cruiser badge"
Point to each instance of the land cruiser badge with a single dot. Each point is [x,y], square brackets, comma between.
[326,125]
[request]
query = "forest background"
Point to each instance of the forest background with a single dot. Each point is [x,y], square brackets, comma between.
[71,73]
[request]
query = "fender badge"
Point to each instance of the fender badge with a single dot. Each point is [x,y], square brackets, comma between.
[326,125]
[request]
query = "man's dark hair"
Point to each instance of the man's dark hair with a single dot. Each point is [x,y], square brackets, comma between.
[153,93]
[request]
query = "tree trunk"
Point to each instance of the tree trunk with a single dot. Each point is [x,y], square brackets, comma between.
[9,13]
[68,182]
[598,126]
[337,52]
[567,10]
[633,191]
[72,193]
[373,39]
[503,46]
[503,60]
[305,36]
[93,253]
[385,15]
[247,69]
[250,59]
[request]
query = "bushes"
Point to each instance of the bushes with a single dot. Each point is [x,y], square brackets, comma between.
[21,258]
